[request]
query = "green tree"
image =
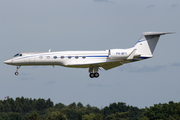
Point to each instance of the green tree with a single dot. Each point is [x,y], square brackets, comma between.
[15,116]
[115,107]
[98,117]
[72,105]
[174,117]
[4,116]
[7,106]
[72,114]
[118,116]
[59,105]
[34,116]
[88,106]
[2,109]
[95,110]
[18,105]
[122,116]
[163,111]
[92,116]
[49,103]
[110,117]
[11,103]
[80,105]
[144,118]
[88,117]
[41,104]
[57,116]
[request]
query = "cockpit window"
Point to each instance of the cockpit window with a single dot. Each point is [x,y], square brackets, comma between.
[17,55]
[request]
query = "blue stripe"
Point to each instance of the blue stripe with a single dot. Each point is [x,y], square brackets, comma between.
[31,56]
[140,41]
[96,56]
[59,57]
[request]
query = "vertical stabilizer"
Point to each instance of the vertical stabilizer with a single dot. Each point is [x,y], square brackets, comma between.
[146,45]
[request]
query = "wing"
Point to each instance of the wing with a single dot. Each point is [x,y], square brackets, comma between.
[104,65]
[110,65]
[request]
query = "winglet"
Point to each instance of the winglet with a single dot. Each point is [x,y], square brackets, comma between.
[131,54]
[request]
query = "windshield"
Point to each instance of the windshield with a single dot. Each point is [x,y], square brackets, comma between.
[17,55]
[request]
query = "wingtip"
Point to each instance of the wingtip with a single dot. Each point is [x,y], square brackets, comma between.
[172,32]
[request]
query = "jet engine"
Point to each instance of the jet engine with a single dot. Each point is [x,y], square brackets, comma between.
[117,54]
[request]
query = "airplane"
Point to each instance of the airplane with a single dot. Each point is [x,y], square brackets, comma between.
[94,60]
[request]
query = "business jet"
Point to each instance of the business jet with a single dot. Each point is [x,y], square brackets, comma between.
[94,60]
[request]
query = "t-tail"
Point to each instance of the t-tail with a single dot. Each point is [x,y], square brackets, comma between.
[147,43]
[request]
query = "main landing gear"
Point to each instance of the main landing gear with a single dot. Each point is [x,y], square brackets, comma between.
[92,75]
[93,72]
[17,68]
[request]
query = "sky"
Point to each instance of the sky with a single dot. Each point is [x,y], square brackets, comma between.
[62,25]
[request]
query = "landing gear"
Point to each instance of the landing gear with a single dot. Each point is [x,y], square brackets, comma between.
[17,68]
[92,75]
[96,75]
[16,73]
[93,72]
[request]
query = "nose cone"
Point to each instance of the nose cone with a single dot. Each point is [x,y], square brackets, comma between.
[9,61]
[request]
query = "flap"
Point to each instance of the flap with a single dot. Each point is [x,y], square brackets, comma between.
[111,65]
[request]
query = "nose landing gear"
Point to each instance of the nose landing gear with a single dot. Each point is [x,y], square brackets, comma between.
[16,73]
[17,68]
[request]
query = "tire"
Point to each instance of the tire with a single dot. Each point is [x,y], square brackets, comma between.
[96,75]
[16,73]
[91,75]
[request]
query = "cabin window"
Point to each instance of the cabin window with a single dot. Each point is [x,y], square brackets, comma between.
[76,57]
[69,57]
[83,57]
[40,57]
[47,57]
[55,57]
[62,57]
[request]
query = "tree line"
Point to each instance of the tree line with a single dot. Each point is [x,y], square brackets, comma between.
[41,109]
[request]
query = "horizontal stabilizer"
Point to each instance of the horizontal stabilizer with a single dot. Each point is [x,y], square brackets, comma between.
[131,54]
[157,33]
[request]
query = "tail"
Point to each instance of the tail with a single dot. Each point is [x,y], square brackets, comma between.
[146,45]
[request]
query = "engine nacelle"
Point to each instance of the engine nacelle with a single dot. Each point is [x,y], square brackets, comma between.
[118,54]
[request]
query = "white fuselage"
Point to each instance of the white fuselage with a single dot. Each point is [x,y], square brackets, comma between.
[77,59]
[94,60]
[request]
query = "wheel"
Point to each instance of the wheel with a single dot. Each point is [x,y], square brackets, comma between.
[16,73]
[96,75]
[91,75]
